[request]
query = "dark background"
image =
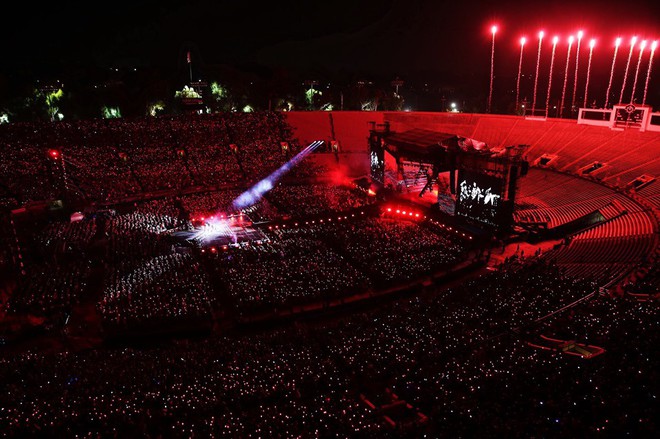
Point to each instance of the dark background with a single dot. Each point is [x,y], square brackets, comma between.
[444,43]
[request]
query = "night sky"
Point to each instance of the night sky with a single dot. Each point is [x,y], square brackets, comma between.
[407,38]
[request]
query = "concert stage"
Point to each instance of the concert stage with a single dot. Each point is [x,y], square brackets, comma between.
[222,232]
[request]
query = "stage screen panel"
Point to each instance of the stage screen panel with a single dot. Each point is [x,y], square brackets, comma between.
[479,197]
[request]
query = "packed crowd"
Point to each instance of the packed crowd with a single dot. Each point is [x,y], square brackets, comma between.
[395,250]
[143,265]
[112,159]
[312,199]
[286,271]
[459,356]
[646,283]
[50,289]
[55,268]
[169,291]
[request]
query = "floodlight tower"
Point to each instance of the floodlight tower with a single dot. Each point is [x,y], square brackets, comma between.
[617,43]
[592,43]
[522,46]
[552,62]
[493,30]
[536,76]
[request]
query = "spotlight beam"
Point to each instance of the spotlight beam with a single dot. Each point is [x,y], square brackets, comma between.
[256,192]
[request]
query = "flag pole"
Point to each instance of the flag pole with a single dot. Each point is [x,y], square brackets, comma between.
[190,67]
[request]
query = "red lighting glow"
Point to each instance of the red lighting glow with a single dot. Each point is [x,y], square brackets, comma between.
[406,213]
[617,43]
[523,40]
[580,35]
[555,40]
[592,43]
[570,39]
[493,29]
[633,41]
[54,153]
[541,34]
[654,45]
[642,45]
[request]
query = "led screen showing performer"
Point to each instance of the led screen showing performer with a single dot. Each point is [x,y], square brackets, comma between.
[479,197]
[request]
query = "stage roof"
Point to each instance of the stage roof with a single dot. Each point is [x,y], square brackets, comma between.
[419,140]
[421,144]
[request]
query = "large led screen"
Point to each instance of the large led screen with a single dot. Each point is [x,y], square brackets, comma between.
[479,197]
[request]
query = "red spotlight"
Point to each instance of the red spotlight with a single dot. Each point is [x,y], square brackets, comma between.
[493,29]
[570,39]
[654,45]
[592,43]
[633,41]
[523,40]
[642,45]
[556,39]
[617,43]
[54,154]
[389,209]
[541,34]
[580,34]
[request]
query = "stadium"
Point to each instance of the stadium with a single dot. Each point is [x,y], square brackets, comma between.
[356,261]
[352,305]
